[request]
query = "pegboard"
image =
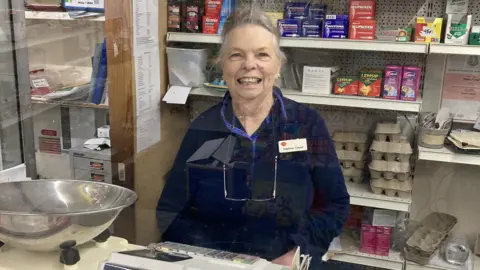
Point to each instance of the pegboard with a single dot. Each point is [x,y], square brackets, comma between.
[438,9]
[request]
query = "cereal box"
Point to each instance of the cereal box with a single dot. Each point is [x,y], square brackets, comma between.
[370,82]
[410,83]
[346,85]
[392,82]
[428,30]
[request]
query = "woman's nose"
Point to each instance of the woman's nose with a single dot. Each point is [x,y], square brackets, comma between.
[249,63]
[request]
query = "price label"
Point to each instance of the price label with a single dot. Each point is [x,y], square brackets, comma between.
[40,83]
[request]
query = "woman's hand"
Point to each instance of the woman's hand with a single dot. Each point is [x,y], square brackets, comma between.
[286,259]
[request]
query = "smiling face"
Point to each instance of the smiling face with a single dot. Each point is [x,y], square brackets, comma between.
[250,62]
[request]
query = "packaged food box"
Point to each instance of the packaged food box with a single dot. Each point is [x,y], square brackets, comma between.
[402,34]
[368,239]
[362,10]
[210,24]
[289,27]
[392,82]
[355,218]
[174,16]
[317,11]
[213,8]
[362,29]
[312,28]
[191,17]
[458,28]
[90,6]
[370,84]
[383,236]
[392,187]
[428,29]
[474,38]
[294,10]
[410,83]
[346,85]
[335,26]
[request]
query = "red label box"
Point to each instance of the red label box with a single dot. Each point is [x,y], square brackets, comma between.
[362,10]
[210,24]
[362,29]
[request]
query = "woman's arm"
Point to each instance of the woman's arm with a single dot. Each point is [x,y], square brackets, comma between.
[331,204]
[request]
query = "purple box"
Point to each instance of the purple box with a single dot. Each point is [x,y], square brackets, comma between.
[392,82]
[296,11]
[312,28]
[289,28]
[317,11]
[410,83]
[335,26]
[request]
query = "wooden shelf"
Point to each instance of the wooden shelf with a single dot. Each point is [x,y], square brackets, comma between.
[71,104]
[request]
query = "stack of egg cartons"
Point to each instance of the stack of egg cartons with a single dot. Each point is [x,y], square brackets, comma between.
[390,168]
[351,148]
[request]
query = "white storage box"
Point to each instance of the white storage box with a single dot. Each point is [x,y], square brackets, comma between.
[186,67]
[381,217]
[318,80]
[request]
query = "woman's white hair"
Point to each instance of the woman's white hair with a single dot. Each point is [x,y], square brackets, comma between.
[246,16]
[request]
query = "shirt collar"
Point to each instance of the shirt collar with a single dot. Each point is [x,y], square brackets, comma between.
[227,110]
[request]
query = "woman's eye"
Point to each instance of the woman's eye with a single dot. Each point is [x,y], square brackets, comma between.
[235,55]
[263,55]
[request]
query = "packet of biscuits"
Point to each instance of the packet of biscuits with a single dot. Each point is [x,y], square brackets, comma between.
[370,84]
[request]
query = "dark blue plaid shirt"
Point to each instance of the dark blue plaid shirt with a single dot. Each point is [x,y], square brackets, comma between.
[311,201]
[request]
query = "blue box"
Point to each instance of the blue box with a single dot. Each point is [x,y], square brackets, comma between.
[84,5]
[312,28]
[335,26]
[317,11]
[289,28]
[296,11]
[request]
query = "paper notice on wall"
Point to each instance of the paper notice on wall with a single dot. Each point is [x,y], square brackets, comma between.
[147,73]
[461,87]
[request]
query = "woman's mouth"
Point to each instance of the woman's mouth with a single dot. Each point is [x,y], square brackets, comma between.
[249,80]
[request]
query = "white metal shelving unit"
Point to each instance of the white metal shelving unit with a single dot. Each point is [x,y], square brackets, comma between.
[332,100]
[454,49]
[361,194]
[348,251]
[446,155]
[316,43]
[48,15]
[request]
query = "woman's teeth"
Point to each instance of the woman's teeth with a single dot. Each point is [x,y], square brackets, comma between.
[249,80]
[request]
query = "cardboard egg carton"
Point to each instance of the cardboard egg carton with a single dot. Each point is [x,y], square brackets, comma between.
[351,158]
[353,175]
[350,141]
[392,188]
[390,170]
[427,238]
[390,132]
[391,151]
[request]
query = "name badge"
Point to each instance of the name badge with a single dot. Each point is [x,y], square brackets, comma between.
[289,146]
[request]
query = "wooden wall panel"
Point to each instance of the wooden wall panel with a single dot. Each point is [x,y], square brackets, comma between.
[145,171]
[121,96]
[153,164]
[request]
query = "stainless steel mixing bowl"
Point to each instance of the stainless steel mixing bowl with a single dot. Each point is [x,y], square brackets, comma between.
[40,215]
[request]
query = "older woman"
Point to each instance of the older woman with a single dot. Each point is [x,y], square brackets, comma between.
[257,173]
